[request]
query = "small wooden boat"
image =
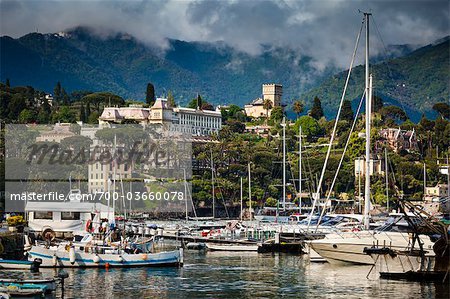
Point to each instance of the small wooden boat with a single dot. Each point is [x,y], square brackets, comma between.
[80,255]
[232,247]
[26,287]
[16,264]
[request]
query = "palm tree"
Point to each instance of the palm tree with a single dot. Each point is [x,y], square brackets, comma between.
[298,107]
[267,104]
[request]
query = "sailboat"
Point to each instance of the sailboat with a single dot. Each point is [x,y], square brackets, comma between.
[349,247]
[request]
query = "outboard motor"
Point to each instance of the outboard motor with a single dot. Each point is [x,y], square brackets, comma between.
[35,265]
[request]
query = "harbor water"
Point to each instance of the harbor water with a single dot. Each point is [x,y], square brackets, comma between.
[241,275]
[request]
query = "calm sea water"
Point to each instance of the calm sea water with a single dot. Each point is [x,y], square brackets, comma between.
[242,275]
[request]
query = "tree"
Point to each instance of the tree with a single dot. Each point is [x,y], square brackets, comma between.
[65,97]
[57,92]
[277,114]
[99,99]
[7,83]
[43,116]
[443,109]
[88,111]
[310,126]
[316,110]
[377,103]
[267,105]
[394,113]
[347,112]
[199,103]
[236,126]
[170,99]
[64,115]
[150,94]
[298,107]
[16,105]
[83,117]
[27,116]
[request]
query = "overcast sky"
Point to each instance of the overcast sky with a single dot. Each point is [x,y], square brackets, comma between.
[323,29]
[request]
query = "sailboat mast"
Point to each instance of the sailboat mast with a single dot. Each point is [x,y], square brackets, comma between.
[368,104]
[241,196]
[300,167]
[284,163]
[250,191]
[185,194]
[212,182]
[387,178]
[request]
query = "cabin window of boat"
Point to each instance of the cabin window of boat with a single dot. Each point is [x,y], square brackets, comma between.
[43,215]
[70,215]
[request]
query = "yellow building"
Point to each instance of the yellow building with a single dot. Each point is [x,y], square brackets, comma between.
[272,92]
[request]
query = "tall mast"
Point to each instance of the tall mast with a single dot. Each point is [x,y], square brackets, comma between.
[284,162]
[300,167]
[212,182]
[424,178]
[185,194]
[368,104]
[250,191]
[241,196]
[386,168]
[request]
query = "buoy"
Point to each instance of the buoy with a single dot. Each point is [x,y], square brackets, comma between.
[107,265]
[55,260]
[96,259]
[27,245]
[72,255]
[120,259]
[144,257]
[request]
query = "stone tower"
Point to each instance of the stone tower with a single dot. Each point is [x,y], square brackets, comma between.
[273,92]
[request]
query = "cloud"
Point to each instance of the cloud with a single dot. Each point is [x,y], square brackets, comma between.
[323,29]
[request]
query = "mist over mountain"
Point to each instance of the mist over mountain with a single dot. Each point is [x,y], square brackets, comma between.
[119,63]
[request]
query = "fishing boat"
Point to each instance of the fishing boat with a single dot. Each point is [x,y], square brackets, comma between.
[20,265]
[418,265]
[232,247]
[94,254]
[27,287]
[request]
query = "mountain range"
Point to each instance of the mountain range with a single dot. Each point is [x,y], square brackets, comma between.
[119,63]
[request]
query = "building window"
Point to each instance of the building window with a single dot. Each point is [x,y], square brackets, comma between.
[70,215]
[43,215]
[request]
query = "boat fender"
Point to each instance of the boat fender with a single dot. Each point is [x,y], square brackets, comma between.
[96,259]
[72,255]
[181,256]
[120,259]
[27,245]
[55,260]
[89,227]
[144,257]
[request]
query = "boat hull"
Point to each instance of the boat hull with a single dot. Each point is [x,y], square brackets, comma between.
[17,265]
[351,250]
[61,258]
[49,284]
[232,247]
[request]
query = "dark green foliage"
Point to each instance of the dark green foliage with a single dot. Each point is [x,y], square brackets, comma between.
[377,103]
[57,93]
[393,113]
[316,110]
[347,112]
[170,99]
[443,109]
[150,94]
[103,99]
[277,114]
[64,115]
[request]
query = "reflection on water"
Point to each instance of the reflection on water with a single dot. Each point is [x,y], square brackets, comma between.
[241,275]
